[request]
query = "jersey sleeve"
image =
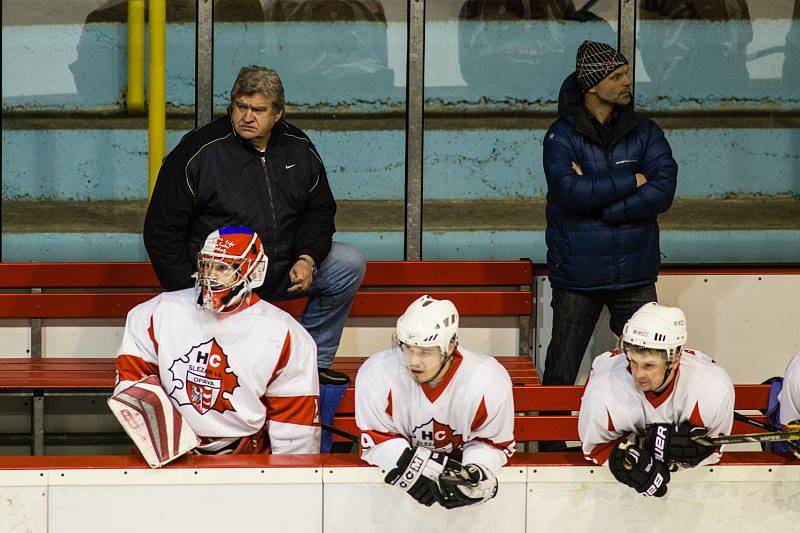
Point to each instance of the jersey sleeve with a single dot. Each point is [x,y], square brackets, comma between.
[790,393]
[491,437]
[137,355]
[292,396]
[714,411]
[381,442]
[598,430]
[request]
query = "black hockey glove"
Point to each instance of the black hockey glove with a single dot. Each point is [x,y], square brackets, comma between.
[637,468]
[417,472]
[676,444]
[466,485]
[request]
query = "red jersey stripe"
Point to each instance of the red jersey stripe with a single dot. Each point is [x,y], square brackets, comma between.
[300,410]
[133,368]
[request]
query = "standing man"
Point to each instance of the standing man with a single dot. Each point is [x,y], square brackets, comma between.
[610,173]
[253,168]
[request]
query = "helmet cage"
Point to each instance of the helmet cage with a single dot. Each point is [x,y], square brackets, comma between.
[225,280]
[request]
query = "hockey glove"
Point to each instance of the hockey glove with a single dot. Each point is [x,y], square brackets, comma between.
[637,468]
[417,472]
[676,444]
[466,485]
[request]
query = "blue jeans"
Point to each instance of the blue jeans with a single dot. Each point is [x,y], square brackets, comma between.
[575,314]
[330,297]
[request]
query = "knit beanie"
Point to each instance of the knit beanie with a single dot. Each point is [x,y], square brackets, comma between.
[595,61]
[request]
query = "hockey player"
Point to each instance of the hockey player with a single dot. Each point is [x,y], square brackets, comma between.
[790,395]
[241,372]
[426,406]
[644,403]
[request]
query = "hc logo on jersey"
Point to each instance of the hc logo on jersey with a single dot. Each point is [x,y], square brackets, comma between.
[436,436]
[203,379]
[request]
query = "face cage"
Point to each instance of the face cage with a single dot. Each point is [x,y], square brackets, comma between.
[211,290]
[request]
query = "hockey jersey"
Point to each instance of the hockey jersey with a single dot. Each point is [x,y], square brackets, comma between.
[470,411]
[612,407]
[228,374]
[790,393]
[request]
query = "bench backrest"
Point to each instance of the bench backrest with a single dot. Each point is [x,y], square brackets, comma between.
[110,290]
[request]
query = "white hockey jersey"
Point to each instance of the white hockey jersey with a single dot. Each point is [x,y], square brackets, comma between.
[228,374]
[470,410]
[612,407]
[790,393]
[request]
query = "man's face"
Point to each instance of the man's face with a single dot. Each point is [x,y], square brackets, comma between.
[647,369]
[615,88]
[422,363]
[254,118]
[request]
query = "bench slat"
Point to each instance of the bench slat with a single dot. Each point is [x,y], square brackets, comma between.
[529,428]
[367,303]
[378,274]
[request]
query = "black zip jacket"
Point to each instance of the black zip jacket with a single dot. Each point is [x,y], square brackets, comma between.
[214,178]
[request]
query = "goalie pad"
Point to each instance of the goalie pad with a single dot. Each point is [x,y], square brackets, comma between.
[153,423]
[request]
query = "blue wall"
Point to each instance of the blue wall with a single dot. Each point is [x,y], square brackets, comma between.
[468,164]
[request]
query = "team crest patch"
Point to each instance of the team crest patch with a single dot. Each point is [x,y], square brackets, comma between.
[436,436]
[203,379]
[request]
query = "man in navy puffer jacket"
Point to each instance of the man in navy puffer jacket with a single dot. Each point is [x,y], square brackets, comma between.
[610,173]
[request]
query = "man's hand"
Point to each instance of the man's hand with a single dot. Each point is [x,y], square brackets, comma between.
[640,179]
[301,275]
[638,469]
[577,168]
[417,472]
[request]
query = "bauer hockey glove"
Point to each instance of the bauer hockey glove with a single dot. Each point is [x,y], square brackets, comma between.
[637,468]
[676,444]
[417,472]
[466,485]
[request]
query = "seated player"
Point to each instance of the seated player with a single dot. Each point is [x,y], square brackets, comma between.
[643,404]
[241,372]
[790,396]
[426,406]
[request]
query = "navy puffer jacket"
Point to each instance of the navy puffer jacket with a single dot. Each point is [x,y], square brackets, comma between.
[602,231]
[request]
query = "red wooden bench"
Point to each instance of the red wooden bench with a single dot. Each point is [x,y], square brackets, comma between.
[39,291]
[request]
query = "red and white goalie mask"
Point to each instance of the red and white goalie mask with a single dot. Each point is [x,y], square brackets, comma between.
[229,266]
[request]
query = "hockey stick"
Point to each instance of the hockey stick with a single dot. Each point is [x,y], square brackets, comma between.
[791,433]
[341,433]
[747,420]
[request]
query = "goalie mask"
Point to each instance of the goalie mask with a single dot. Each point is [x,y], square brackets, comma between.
[229,266]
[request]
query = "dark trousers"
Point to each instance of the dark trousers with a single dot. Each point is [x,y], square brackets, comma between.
[575,315]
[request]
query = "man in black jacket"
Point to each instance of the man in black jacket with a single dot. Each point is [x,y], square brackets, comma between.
[252,168]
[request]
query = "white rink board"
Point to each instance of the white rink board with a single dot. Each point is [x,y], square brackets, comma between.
[728,498]
[355,499]
[358,501]
[241,499]
[23,509]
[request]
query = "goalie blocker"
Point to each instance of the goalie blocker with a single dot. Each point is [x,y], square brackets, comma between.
[153,423]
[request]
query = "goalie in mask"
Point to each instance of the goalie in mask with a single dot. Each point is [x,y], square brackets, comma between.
[218,362]
[646,403]
[438,417]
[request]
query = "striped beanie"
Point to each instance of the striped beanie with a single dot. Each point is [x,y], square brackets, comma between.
[595,61]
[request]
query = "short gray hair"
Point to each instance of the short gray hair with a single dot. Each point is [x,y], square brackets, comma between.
[259,80]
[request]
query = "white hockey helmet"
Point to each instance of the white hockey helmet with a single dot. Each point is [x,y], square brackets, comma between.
[657,327]
[428,322]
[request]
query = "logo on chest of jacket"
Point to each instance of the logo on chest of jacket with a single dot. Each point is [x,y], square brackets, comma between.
[203,379]
[436,436]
